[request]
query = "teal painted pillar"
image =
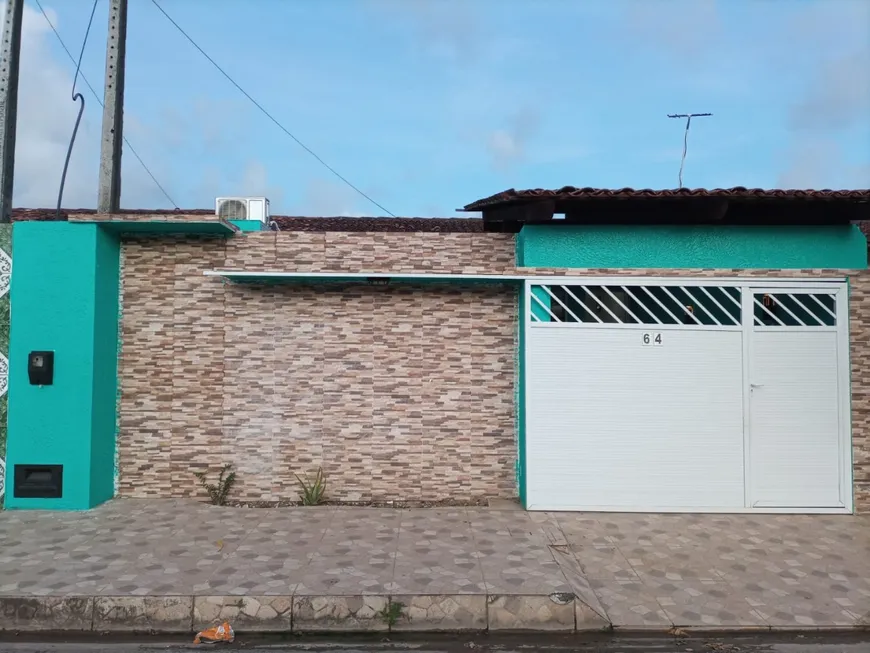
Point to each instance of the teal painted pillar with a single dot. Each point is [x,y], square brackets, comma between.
[539,305]
[65,299]
[521,398]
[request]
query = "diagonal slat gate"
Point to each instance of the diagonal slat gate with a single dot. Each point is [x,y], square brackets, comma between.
[698,306]
[786,309]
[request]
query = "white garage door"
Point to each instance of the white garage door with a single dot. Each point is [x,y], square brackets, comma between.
[639,397]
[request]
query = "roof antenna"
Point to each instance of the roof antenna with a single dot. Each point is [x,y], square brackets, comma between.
[688,117]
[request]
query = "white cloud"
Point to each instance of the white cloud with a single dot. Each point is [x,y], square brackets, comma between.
[327,198]
[209,125]
[46,116]
[250,181]
[835,95]
[684,28]
[255,183]
[508,146]
[504,147]
[449,28]
[821,163]
[838,97]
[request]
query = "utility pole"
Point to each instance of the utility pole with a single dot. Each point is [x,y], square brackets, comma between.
[10,55]
[688,117]
[109,198]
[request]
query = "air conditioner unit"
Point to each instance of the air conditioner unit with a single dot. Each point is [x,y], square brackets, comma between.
[242,208]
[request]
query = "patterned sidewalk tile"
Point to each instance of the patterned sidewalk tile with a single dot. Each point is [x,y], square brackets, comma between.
[267,578]
[586,599]
[346,576]
[456,577]
[706,604]
[802,605]
[630,604]
[581,531]
[437,556]
[519,528]
[525,578]
[633,570]
[605,564]
[673,566]
[362,524]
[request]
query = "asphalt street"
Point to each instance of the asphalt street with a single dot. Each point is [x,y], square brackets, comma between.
[469,644]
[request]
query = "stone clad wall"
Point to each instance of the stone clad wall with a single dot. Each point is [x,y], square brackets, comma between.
[398,392]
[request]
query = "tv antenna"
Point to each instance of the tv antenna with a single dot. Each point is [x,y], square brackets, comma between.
[688,117]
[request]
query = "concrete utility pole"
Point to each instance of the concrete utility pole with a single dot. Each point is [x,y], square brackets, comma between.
[688,117]
[109,199]
[9,59]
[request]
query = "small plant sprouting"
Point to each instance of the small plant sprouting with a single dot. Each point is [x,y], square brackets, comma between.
[218,492]
[391,612]
[313,493]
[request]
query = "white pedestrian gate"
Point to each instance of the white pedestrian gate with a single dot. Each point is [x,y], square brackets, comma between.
[686,395]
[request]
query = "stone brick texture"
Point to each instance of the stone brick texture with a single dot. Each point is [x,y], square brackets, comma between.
[397,392]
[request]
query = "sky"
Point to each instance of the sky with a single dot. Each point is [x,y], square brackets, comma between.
[428,105]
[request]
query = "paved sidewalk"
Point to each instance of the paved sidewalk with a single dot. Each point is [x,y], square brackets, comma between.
[177,565]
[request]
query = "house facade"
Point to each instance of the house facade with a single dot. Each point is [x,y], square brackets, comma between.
[576,349]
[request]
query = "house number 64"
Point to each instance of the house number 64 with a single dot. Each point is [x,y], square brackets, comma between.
[652,339]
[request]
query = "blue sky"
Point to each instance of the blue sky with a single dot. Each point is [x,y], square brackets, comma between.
[427,105]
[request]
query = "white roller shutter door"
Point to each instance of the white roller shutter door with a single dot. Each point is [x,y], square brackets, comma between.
[671,400]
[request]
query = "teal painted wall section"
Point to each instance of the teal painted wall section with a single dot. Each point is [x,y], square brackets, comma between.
[65,298]
[701,246]
[106,319]
[248,225]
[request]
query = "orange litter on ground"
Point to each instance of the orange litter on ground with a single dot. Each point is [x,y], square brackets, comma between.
[222,633]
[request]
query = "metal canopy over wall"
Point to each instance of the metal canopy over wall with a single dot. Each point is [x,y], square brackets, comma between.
[687,395]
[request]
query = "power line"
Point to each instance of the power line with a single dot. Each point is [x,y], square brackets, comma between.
[688,117]
[100,102]
[82,51]
[267,114]
[75,97]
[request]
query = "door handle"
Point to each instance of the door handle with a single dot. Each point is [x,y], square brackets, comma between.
[756,385]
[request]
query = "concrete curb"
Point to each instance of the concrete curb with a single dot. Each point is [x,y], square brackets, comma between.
[300,613]
[558,612]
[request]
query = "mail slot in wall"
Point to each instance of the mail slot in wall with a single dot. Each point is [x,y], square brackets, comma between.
[38,482]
